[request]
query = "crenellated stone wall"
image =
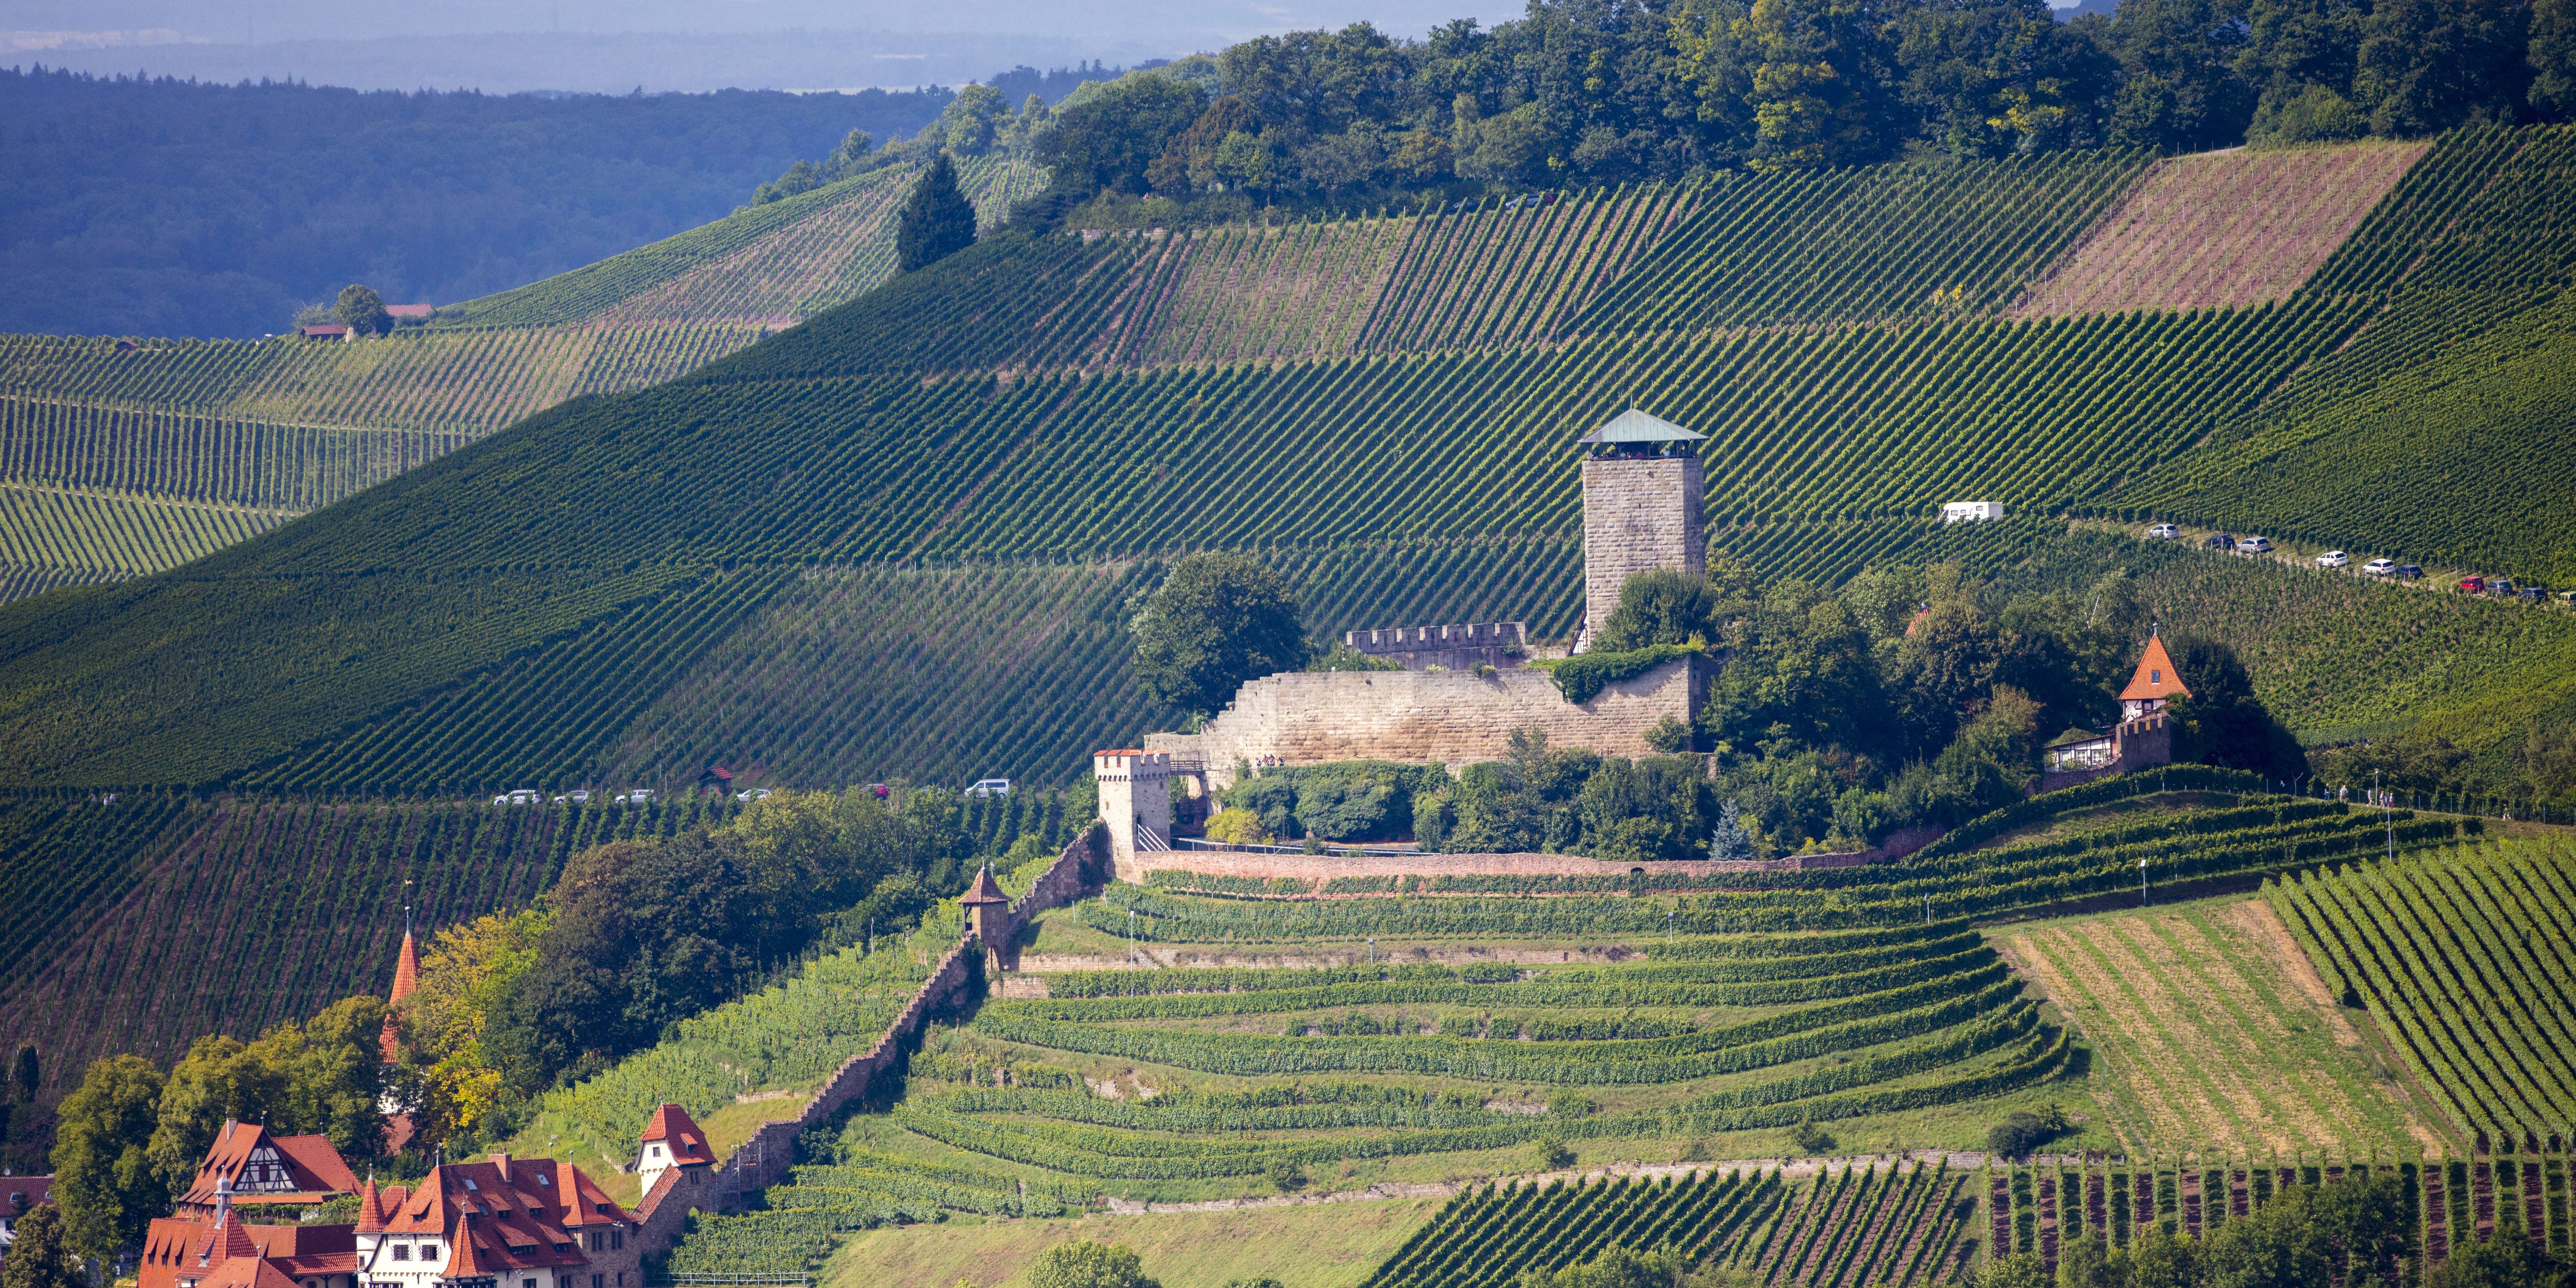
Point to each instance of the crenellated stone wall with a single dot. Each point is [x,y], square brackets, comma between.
[1428,717]
[764,1159]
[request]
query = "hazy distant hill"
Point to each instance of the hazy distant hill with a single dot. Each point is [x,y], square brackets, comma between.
[225,207]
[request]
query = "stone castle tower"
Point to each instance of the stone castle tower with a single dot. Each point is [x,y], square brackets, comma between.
[1136,802]
[1642,491]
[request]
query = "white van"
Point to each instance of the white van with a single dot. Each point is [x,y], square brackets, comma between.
[990,787]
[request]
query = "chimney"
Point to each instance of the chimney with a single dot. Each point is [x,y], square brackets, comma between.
[228,1130]
[501,1163]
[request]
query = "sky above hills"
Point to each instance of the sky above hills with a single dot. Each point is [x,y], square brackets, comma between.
[599,46]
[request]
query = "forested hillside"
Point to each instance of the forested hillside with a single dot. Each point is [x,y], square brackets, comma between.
[228,206]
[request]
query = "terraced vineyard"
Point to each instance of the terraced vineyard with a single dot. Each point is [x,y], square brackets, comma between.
[2210,1027]
[1487,1237]
[2260,835]
[2464,959]
[1863,1225]
[118,462]
[2042,1206]
[1865,244]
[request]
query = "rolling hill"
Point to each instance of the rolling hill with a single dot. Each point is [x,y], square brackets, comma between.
[589,532]
[133,458]
[1008,409]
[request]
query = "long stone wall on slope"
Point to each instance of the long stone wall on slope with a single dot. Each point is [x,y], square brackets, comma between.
[1428,717]
[764,1159]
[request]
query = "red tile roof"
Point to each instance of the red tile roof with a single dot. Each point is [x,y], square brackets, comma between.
[265,1169]
[176,1247]
[406,983]
[984,890]
[332,328]
[20,1194]
[671,1125]
[409,310]
[506,1214]
[2156,677]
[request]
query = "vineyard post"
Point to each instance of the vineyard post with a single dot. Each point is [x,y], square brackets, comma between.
[2142,882]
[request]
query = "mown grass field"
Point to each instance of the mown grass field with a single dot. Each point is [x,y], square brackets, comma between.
[2212,1030]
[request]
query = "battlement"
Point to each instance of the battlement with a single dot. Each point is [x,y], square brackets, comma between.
[1129,764]
[1454,648]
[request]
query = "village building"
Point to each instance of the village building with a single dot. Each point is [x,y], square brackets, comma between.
[229,1252]
[2144,736]
[502,1223]
[246,1167]
[19,1196]
[2155,683]
[673,1140]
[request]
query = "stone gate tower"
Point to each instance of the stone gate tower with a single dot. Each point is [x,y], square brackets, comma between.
[1136,803]
[1642,491]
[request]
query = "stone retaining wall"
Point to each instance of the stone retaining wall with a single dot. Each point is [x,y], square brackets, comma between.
[764,1159]
[1429,717]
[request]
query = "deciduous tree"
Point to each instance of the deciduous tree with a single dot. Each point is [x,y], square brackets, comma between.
[1217,621]
[103,1173]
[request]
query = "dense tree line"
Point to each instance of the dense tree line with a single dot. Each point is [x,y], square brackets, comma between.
[176,208]
[1603,91]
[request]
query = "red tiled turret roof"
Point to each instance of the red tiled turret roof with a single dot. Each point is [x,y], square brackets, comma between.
[984,890]
[671,1125]
[2156,677]
[371,1208]
[406,983]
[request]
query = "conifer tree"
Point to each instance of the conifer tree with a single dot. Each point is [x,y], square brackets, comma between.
[937,221]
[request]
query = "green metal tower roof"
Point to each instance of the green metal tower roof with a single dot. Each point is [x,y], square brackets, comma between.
[1634,426]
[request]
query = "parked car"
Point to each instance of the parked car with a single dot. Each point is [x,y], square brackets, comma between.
[633,796]
[2568,595]
[879,790]
[2408,572]
[2380,567]
[2253,546]
[990,787]
[2500,586]
[2220,541]
[2474,585]
[750,794]
[2333,559]
[522,796]
[2163,532]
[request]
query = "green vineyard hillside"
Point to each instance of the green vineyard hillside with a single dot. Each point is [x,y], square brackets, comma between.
[820,449]
[2463,959]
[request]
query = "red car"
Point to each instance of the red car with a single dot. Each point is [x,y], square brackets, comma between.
[2474,585]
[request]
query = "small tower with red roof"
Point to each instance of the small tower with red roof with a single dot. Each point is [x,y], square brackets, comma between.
[2155,683]
[670,1141]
